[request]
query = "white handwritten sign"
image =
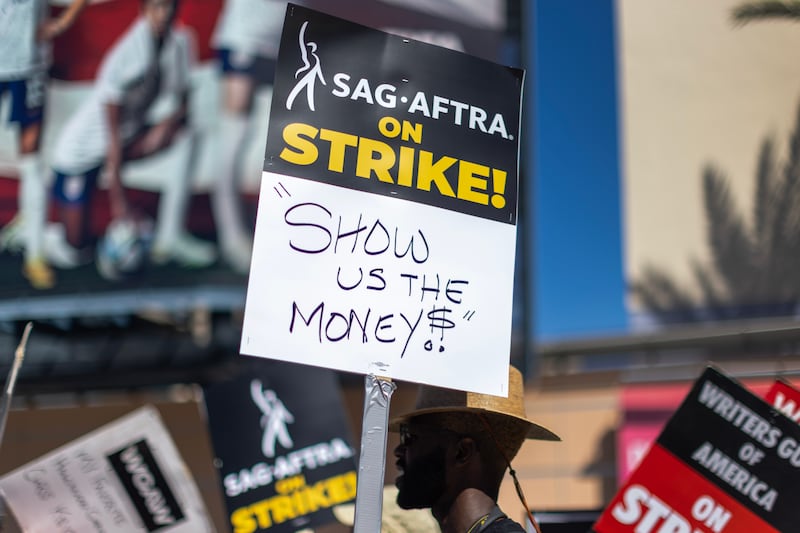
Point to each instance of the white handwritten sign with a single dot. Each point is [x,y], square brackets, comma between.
[363,283]
[387,217]
[125,477]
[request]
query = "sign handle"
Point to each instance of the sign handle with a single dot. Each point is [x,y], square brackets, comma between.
[369,495]
[11,380]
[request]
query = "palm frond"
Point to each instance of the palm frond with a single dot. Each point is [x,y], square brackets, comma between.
[792,168]
[660,295]
[784,240]
[711,297]
[754,268]
[763,207]
[731,247]
[767,9]
[784,256]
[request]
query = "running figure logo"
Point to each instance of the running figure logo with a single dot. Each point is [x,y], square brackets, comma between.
[274,417]
[310,72]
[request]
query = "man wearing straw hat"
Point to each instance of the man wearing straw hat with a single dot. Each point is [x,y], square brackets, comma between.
[453,453]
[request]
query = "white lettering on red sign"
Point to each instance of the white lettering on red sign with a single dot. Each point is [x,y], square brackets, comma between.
[651,515]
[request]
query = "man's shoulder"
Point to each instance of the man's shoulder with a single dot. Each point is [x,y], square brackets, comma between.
[503,525]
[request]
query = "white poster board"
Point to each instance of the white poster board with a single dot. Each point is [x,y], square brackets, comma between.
[125,477]
[386,228]
[351,304]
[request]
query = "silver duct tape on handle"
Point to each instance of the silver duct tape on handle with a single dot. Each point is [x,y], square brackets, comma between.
[375,425]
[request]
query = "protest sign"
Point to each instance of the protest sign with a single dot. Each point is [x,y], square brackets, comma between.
[125,477]
[785,398]
[285,459]
[726,461]
[386,224]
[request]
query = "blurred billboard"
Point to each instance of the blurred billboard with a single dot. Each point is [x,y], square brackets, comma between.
[181,235]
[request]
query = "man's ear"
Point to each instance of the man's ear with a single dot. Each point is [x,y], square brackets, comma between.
[466,450]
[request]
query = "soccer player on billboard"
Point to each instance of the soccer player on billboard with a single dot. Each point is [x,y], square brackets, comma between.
[25,34]
[150,62]
[246,37]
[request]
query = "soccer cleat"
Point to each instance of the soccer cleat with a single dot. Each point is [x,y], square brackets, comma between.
[59,252]
[39,274]
[187,251]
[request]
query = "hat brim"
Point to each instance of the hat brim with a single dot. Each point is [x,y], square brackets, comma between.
[535,431]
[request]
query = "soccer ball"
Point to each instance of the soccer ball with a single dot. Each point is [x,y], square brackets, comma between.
[124,248]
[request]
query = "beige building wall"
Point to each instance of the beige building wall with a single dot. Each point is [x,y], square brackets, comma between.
[694,89]
[579,471]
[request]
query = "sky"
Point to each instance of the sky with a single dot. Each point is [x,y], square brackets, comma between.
[578,286]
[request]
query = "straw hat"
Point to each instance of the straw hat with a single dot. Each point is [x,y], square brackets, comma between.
[437,400]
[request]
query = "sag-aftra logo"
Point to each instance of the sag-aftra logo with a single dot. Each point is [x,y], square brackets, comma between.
[387,95]
[275,437]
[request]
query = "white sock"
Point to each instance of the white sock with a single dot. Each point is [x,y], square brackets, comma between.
[33,203]
[175,192]
[225,193]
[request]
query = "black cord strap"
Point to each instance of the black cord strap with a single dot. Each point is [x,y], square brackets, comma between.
[513,473]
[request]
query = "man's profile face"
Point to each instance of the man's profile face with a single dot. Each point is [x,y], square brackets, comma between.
[421,459]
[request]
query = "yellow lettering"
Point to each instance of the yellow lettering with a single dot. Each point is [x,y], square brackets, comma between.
[297,136]
[300,501]
[261,511]
[342,488]
[411,132]
[405,167]
[282,509]
[430,172]
[318,496]
[499,187]
[471,177]
[374,156]
[339,143]
[285,486]
[390,127]
[242,521]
